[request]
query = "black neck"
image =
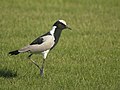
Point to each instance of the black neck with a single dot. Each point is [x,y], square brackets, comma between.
[57,34]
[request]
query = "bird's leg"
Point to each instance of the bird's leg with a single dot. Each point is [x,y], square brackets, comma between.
[42,68]
[33,61]
[30,56]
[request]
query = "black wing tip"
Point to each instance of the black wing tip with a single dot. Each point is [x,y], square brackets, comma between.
[39,40]
[14,52]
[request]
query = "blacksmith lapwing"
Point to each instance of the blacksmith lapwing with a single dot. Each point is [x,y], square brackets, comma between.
[43,44]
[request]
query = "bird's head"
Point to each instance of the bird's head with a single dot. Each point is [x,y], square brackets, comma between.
[61,24]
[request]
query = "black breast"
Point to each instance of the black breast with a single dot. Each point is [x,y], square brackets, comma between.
[57,34]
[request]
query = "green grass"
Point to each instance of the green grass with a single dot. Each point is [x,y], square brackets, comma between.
[86,58]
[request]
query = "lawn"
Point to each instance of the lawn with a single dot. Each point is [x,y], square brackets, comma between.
[86,58]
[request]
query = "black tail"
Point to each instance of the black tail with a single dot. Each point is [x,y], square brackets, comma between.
[14,52]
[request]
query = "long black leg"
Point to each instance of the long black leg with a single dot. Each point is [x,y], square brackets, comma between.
[42,68]
[30,55]
[33,61]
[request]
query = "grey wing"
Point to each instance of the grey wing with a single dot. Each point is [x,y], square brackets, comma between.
[27,48]
[39,45]
[39,40]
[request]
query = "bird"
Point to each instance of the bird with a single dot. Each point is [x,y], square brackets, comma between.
[44,43]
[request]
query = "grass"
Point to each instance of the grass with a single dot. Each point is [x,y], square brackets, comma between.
[86,58]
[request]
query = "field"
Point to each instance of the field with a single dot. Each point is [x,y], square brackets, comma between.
[86,58]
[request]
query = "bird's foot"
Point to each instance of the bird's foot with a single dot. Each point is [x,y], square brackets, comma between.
[41,71]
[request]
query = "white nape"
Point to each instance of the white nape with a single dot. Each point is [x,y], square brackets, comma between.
[53,30]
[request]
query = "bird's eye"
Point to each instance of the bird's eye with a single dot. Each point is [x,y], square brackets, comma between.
[59,25]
